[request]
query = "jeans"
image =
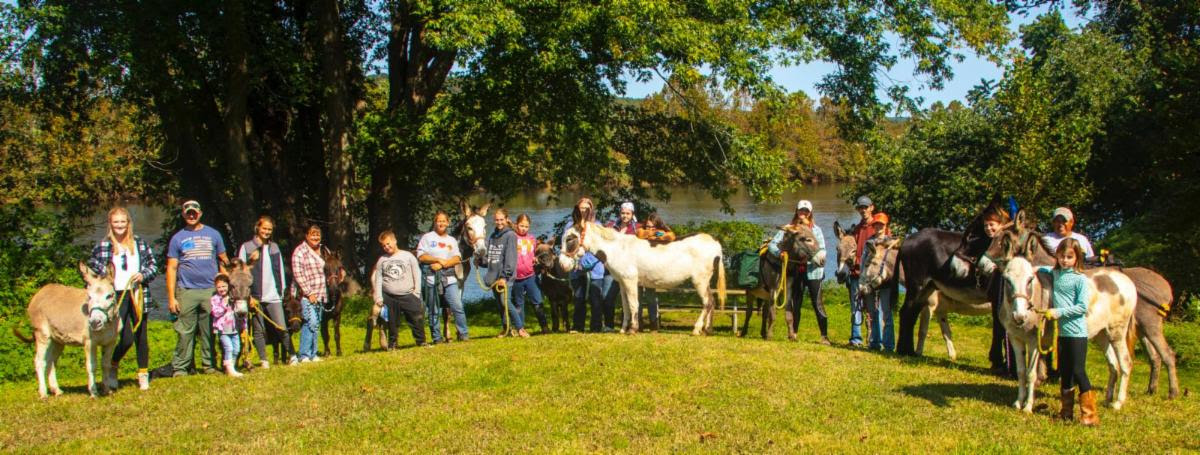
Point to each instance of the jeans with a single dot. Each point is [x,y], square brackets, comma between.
[311,311]
[609,302]
[880,304]
[231,345]
[856,311]
[450,298]
[521,289]
[195,321]
[587,291]
[648,301]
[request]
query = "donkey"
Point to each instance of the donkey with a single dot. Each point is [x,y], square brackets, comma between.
[554,283]
[1109,321]
[881,268]
[800,245]
[240,280]
[471,232]
[633,262]
[63,315]
[335,289]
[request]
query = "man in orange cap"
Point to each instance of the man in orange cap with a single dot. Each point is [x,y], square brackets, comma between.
[880,303]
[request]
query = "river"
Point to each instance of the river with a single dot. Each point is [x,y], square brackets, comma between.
[686,205]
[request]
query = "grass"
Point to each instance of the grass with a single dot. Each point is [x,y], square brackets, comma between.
[610,393]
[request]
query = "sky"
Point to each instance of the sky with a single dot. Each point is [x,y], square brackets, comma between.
[967,74]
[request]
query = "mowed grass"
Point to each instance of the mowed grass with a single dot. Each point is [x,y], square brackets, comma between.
[604,392]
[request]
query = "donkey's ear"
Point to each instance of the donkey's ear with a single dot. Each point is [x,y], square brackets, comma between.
[464,207]
[86,272]
[1019,221]
[894,244]
[484,209]
[837,229]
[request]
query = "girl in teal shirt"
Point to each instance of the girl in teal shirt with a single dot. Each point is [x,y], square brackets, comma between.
[1071,297]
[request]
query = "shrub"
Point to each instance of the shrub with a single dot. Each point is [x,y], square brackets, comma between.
[735,236]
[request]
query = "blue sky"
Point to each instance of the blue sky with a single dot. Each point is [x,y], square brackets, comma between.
[967,73]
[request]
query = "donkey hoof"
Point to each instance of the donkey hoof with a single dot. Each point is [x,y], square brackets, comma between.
[55,391]
[696,332]
[1017,404]
[1116,405]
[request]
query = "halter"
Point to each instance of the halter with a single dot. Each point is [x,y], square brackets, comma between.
[103,310]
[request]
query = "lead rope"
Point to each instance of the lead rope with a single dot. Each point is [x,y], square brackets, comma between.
[503,291]
[138,304]
[782,290]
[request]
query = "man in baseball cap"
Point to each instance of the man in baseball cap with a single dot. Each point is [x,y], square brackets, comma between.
[861,231]
[1062,225]
[195,255]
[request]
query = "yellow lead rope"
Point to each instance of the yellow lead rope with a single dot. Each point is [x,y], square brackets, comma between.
[782,290]
[503,290]
[138,304]
[1053,342]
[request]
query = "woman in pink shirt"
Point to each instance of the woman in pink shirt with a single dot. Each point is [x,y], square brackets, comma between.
[526,281]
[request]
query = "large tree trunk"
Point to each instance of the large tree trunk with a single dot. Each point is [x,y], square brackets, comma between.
[237,90]
[336,104]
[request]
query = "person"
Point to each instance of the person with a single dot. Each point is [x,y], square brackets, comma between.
[1062,226]
[994,221]
[438,253]
[501,272]
[133,268]
[880,305]
[270,279]
[526,283]
[308,268]
[861,232]
[657,232]
[626,222]
[195,255]
[810,277]
[396,284]
[225,325]
[587,278]
[1071,296]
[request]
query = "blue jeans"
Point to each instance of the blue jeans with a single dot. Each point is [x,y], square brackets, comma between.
[609,302]
[453,299]
[880,305]
[520,289]
[856,311]
[588,292]
[308,332]
[231,344]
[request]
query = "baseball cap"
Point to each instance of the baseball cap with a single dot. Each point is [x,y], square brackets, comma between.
[863,201]
[1063,212]
[804,204]
[880,218]
[190,206]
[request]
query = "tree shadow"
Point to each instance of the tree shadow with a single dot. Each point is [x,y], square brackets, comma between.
[940,394]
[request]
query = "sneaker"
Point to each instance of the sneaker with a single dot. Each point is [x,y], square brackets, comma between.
[143,380]
[265,365]
[572,331]
[305,360]
[179,374]
[315,359]
[523,333]
[294,361]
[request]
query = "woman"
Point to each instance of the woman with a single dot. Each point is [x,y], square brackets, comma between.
[270,279]
[812,275]
[438,253]
[309,269]
[525,283]
[133,269]
[588,277]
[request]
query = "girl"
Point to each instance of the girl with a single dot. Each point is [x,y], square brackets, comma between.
[588,277]
[501,269]
[438,253]
[308,268]
[1071,296]
[814,273]
[270,280]
[225,324]
[134,267]
[655,230]
[525,283]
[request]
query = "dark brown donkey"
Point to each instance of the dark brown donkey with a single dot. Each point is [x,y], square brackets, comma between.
[554,283]
[335,289]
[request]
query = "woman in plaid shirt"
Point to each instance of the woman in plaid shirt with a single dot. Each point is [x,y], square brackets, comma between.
[133,268]
[308,269]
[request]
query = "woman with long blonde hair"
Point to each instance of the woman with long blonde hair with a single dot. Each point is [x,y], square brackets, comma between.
[133,266]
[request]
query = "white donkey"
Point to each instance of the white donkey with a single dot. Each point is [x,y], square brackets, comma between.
[634,262]
[63,315]
[1109,322]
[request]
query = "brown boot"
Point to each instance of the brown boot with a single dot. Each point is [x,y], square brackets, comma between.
[1068,405]
[1087,409]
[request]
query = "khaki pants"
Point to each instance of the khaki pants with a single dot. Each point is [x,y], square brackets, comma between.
[195,318]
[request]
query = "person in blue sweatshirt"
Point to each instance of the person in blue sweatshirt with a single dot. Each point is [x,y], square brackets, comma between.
[502,266]
[1071,296]
[587,280]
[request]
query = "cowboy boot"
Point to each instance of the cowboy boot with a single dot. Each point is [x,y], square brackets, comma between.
[1068,405]
[1087,407]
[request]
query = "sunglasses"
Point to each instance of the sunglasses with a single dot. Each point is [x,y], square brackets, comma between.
[124,262]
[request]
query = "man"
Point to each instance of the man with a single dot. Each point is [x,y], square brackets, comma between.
[195,255]
[1063,225]
[861,232]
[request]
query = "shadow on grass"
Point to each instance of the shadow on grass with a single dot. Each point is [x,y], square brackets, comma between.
[940,394]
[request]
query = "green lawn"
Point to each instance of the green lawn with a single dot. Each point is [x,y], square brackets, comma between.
[574,393]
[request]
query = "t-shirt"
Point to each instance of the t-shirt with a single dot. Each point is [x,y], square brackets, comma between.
[197,254]
[126,264]
[439,247]
[398,274]
[525,245]
[1053,239]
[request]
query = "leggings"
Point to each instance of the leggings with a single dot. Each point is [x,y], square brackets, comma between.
[129,337]
[1072,358]
[813,287]
[275,311]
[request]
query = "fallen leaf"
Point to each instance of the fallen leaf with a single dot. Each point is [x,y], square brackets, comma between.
[706,436]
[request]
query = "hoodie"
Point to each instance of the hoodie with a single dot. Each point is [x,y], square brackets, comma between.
[501,256]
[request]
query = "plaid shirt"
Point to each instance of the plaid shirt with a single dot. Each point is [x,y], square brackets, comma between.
[102,256]
[308,270]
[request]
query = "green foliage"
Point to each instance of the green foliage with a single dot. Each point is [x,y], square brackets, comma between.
[37,249]
[735,236]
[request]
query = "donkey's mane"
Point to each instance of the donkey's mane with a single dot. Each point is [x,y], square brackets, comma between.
[603,232]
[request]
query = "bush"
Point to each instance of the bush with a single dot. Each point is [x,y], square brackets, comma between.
[735,236]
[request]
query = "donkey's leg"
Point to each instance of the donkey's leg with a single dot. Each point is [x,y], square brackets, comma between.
[89,363]
[1168,357]
[1114,367]
[110,374]
[337,332]
[52,352]
[324,333]
[1124,364]
[751,301]
[1155,364]
[923,330]
[631,306]
[1018,348]
[701,322]
[1030,378]
[768,318]
[944,322]
[370,327]
[40,360]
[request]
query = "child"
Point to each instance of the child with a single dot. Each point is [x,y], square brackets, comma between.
[1071,296]
[396,282]
[225,324]
[525,283]
[501,271]
[655,230]
[879,306]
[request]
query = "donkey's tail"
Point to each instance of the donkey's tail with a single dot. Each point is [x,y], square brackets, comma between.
[722,295]
[23,338]
[1131,338]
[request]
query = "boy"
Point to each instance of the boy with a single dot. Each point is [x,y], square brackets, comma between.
[397,284]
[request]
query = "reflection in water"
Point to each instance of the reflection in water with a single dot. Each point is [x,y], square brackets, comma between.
[686,205]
